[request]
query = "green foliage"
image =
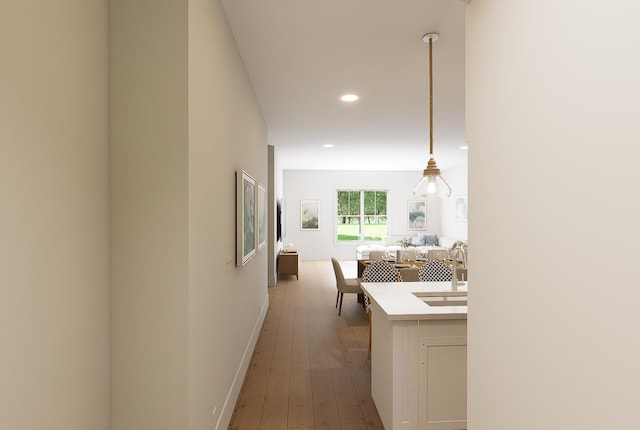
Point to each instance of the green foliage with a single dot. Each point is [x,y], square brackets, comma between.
[374,204]
[345,237]
[351,232]
[374,213]
[348,202]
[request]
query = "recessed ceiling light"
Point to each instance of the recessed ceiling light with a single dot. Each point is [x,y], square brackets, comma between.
[464,147]
[349,98]
[328,145]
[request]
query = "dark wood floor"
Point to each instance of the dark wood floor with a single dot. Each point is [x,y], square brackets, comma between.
[310,368]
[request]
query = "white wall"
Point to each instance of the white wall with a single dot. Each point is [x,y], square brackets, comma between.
[552,123]
[54,215]
[457,179]
[322,186]
[184,119]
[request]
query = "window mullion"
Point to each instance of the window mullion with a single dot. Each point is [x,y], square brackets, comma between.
[361,215]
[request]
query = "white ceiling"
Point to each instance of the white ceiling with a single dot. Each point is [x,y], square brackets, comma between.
[302,55]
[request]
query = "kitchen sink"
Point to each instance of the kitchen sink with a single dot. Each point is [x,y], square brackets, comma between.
[445,300]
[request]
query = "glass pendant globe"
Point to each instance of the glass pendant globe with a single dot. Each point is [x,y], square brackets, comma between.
[432,186]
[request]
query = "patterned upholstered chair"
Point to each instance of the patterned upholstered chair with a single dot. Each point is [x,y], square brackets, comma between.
[381,271]
[378,271]
[435,271]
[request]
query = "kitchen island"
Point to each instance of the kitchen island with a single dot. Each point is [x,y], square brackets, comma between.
[419,354]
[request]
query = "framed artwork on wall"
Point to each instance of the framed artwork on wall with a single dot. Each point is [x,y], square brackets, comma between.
[262,216]
[461,208]
[245,218]
[417,215]
[309,214]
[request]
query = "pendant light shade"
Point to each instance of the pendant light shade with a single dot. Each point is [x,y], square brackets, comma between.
[431,184]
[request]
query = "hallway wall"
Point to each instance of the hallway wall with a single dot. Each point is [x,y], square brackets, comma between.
[227,304]
[184,121]
[552,124]
[54,215]
[149,215]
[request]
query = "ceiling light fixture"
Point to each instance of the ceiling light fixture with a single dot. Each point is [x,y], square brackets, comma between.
[349,98]
[431,184]
[328,145]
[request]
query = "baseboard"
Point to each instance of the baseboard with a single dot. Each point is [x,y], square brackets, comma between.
[234,392]
[273,279]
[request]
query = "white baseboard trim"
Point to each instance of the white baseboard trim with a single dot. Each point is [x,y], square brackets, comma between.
[234,392]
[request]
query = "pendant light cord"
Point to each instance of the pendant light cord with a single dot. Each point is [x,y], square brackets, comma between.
[430,101]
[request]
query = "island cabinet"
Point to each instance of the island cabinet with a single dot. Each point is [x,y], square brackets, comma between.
[418,364]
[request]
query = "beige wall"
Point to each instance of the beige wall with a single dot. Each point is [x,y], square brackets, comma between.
[184,120]
[182,327]
[149,214]
[54,215]
[552,124]
[226,134]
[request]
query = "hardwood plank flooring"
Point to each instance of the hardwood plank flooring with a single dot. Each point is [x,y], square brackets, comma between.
[310,368]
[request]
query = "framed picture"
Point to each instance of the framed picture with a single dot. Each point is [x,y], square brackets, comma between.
[309,212]
[461,208]
[417,215]
[245,218]
[262,216]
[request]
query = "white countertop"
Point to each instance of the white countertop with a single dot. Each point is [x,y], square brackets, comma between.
[402,300]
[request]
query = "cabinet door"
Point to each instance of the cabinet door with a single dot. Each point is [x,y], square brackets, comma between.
[288,264]
[443,383]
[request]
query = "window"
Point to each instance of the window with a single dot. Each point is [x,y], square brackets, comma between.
[362,215]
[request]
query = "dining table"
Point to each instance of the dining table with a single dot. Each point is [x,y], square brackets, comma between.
[413,264]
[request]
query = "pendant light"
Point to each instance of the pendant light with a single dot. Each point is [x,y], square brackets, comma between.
[431,184]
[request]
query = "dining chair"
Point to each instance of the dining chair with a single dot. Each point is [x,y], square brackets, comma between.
[435,271]
[406,254]
[409,274]
[376,255]
[381,271]
[378,271]
[437,254]
[348,285]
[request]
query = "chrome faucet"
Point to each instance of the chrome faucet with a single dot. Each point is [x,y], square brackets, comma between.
[454,271]
[458,252]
